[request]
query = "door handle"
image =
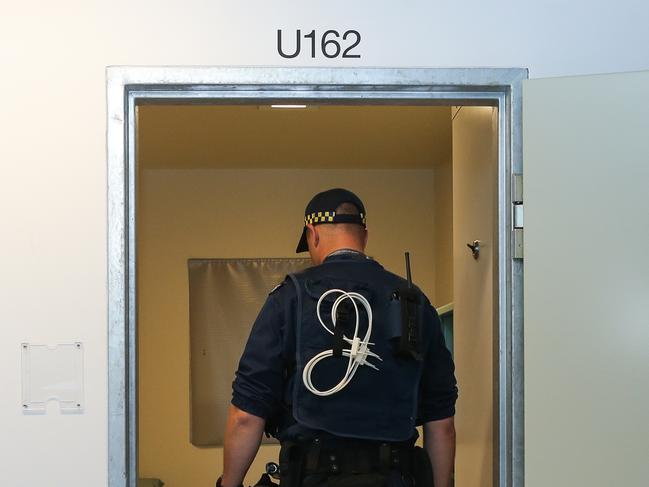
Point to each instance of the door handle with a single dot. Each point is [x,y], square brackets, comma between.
[475,248]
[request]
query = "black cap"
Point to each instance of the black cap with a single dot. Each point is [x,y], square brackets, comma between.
[322,209]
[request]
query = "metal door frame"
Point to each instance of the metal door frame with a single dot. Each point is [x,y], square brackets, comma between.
[129,86]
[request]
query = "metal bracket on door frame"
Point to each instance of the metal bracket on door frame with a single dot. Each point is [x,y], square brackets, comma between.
[518,213]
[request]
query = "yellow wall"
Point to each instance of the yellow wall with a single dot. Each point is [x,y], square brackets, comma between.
[223,213]
[211,136]
[474,204]
[443,216]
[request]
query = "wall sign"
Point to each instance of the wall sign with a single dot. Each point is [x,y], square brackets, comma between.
[329,44]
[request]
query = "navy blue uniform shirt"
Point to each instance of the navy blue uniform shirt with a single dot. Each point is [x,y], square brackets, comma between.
[264,380]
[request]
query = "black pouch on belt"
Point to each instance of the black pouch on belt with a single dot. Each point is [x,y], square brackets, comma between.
[422,469]
[265,481]
[291,464]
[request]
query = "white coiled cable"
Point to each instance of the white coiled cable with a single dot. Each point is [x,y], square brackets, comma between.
[358,350]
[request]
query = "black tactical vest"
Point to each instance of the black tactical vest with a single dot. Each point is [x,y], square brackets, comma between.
[376,405]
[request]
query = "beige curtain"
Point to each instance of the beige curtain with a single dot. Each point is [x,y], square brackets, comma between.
[225,296]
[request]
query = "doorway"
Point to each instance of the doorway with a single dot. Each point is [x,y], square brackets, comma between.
[411,102]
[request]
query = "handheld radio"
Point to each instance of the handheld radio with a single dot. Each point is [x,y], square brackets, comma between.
[409,343]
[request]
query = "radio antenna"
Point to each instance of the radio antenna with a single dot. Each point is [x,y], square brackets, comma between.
[408,275]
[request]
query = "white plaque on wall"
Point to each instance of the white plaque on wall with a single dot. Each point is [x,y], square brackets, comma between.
[52,373]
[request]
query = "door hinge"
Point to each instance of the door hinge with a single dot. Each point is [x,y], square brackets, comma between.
[517,215]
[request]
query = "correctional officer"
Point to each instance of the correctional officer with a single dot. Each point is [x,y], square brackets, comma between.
[343,361]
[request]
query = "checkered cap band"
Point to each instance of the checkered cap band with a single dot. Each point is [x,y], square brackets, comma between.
[324,217]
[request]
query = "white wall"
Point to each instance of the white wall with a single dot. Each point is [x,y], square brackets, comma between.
[52,148]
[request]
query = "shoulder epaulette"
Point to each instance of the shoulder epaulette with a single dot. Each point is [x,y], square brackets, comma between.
[277,287]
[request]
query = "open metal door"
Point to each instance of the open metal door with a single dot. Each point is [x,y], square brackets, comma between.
[586,181]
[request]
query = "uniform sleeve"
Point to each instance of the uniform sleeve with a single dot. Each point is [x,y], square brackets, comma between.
[438,387]
[258,384]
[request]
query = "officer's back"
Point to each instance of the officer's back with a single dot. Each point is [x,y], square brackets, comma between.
[342,363]
[370,397]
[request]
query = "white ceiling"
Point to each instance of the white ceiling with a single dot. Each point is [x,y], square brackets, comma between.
[249,136]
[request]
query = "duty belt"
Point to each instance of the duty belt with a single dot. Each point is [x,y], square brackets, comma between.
[344,457]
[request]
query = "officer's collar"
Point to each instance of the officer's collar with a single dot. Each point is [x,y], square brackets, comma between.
[345,254]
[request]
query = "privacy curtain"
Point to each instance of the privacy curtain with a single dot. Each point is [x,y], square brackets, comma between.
[225,296]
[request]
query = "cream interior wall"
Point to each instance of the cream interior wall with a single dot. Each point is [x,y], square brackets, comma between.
[223,213]
[208,136]
[475,156]
[443,216]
